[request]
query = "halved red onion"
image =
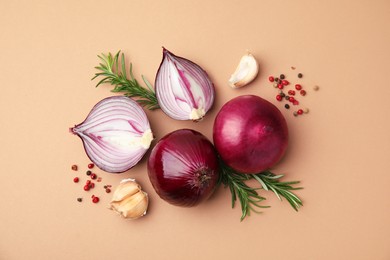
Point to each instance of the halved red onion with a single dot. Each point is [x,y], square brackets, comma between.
[116,134]
[183,168]
[183,89]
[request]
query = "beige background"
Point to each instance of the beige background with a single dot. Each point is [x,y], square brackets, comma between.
[340,151]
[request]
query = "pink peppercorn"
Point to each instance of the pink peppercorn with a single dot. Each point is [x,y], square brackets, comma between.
[95,199]
[279,97]
[271,79]
[298,87]
[302,92]
[291,92]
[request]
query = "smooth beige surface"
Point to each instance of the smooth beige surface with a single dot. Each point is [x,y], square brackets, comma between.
[340,151]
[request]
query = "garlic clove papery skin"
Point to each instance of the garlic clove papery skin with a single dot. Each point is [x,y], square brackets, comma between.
[245,72]
[129,200]
[183,89]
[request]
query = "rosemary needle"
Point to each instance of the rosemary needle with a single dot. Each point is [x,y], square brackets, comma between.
[113,71]
[248,197]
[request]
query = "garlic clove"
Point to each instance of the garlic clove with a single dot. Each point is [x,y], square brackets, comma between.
[129,200]
[132,207]
[127,187]
[245,72]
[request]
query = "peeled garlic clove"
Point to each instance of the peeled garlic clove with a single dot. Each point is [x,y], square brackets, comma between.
[129,200]
[245,73]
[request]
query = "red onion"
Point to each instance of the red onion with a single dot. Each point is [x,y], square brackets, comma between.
[183,168]
[183,89]
[250,134]
[116,134]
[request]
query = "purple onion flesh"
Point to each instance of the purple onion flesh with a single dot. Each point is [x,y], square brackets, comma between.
[183,89]
[116,134]
[183,168]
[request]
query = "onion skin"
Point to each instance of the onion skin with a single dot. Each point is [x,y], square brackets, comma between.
[250,134]
[183,168]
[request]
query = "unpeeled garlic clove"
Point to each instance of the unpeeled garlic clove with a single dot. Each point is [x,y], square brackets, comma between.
[245,73]
[129,200]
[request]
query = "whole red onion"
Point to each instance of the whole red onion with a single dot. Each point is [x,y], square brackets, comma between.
[183,168]
[250,134]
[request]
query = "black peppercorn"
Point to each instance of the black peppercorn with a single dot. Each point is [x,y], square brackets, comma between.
[88,173]
[300,75]
[287,97]
[287,106]
[282,76]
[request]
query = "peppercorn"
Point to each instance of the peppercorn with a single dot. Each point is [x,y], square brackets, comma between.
[276,79]
[275,85]
[302,92]
[281,93]
[282,76]
[295,114]
[278,97]
[298,87]
[74,167]
[287,97]
[300,112]
[86,188]
[280,86]
[93,176]
[79,199]
[95,199]
[76,179]
[285,82]
[315,88]
[90,166]
[271,79]
[295,102]
[108,190]
[291,92]
[306,110]
[88,173]
[287,106]
[291,99]
[300,75]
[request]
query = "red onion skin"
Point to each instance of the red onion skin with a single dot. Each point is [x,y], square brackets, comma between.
[183,168]
[250,134]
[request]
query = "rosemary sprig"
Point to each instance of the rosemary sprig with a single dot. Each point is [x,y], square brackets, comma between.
[249,197]
[114,72]
[271,182]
